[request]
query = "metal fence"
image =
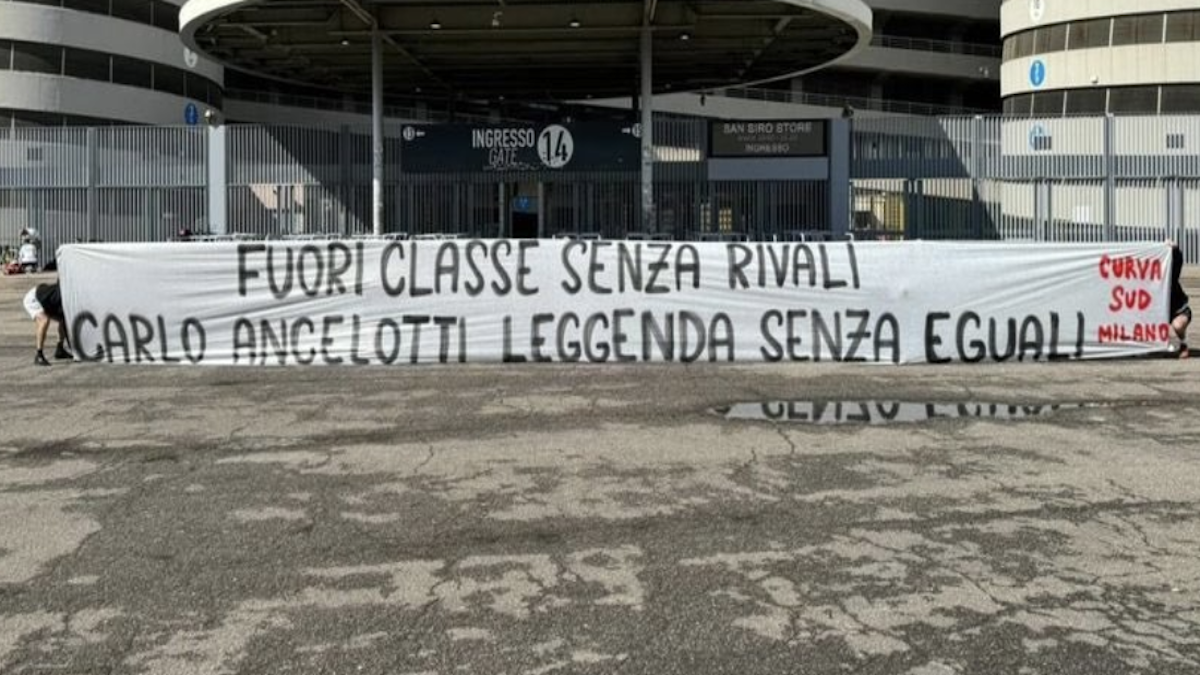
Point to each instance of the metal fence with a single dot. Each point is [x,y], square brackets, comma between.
[1061,179]
[1075,179]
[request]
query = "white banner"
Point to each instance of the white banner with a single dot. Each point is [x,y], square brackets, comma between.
[459,301]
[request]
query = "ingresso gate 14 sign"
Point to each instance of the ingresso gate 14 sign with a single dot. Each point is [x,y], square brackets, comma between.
[591,146]
[768,138]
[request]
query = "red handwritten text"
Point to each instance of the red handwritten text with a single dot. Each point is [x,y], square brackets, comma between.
[1123,298]
[1128,267]
[1141,332]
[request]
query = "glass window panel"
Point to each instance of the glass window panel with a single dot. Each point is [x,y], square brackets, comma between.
[37,58]
[1087,101]
[1180,26]
[87,64]
[170,80]
[1133,100]
[1150,29]
[1048,103]
[1018,105]
[1053,38]
[92,6]
[166,16]
[1124,30]
[133,72]
[1024,45]
[133,10]
[1182,98]
[197,87]
[1089,34]
[30,118]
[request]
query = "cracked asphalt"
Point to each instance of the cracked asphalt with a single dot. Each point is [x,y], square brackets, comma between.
[634,520]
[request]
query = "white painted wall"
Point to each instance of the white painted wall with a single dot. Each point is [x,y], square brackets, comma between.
[1173,63]
[73,96]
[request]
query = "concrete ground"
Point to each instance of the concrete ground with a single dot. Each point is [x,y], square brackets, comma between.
[534,520]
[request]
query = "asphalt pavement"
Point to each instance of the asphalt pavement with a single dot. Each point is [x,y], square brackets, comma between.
[1017,519]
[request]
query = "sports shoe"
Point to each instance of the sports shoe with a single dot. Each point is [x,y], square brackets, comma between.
[61,352]
[40,360]
[1183,351]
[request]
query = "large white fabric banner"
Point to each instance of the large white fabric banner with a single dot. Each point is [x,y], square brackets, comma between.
[378,302]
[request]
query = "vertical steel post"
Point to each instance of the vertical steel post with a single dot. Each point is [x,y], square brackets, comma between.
[646,102]
[93,204]
[376,132]
[1110,184]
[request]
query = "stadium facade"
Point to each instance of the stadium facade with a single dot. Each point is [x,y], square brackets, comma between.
[95,62]
[99,61]
[1119,57]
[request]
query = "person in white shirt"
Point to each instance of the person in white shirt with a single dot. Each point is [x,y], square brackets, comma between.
[27,257]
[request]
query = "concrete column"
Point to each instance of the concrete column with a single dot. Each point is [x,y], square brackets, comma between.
[376,132]
[839,177]
[647,111]
[218,184]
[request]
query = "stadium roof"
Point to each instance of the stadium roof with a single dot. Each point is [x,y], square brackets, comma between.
[522,49]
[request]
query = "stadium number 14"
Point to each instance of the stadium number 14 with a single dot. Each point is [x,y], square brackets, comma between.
[555,146]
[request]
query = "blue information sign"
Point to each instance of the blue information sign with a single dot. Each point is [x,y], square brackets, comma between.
[1037,73]
[191,114]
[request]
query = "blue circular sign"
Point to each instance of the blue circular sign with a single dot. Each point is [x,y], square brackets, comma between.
[1037,73]
[191,114]
[1038,131]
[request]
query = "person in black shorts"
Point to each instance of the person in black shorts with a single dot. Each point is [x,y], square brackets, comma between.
[1181,313]
[44,304]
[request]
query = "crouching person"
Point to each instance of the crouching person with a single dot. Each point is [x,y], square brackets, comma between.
[44,304]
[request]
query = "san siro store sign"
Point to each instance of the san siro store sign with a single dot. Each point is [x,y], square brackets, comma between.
[768,138]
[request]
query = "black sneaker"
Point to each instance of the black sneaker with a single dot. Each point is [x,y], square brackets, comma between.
[40,360]
[61,352]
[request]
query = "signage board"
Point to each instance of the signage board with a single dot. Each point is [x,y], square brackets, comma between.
[768,138]
[519,147]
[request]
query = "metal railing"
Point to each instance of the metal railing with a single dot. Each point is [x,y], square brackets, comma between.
[840,101]
[336,103]
[940,46]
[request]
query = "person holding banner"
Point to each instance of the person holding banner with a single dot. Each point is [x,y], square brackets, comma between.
[44,304]
[1181,313]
